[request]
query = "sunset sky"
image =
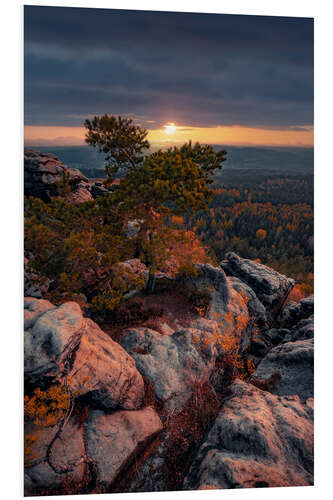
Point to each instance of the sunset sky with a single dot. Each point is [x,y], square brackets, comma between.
[219,79]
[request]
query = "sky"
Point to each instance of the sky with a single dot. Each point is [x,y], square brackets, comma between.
[218,79]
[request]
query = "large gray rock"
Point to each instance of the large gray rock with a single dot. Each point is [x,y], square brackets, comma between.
[271,287]
[66,462]
[172,364]
[42,172]
[294,362]
[61,342]
[113,440]
[257,440]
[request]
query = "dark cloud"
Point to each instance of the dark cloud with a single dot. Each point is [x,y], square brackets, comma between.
[191,69]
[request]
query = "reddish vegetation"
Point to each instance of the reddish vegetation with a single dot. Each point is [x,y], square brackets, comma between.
[299,292]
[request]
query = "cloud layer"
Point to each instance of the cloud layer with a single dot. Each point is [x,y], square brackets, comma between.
[198,70]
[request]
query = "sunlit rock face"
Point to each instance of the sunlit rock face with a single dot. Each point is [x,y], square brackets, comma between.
[257,440]
[60,342]
[270,287]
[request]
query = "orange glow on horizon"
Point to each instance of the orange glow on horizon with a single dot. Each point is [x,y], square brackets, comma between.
[235,135]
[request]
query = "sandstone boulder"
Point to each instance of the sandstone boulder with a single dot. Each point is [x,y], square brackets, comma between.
[113,440]
[257,440]
[270,287]
[132,228]
[61,342]
[214,280]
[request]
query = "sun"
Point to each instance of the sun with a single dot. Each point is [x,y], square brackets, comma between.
[170,128]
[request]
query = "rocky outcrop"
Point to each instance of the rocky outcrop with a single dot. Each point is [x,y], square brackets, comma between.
[113,440]
[61,342]
[43,172]
[270,287]
[99,189]
[257,440]
[175,363]
[294,362]
[179,375]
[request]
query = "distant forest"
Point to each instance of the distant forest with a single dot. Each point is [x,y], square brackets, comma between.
[262,209]
[262,215]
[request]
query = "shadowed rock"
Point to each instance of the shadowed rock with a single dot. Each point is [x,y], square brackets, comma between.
[257,440]
[294,362]
[215,281]
[304,329]
[294,312]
